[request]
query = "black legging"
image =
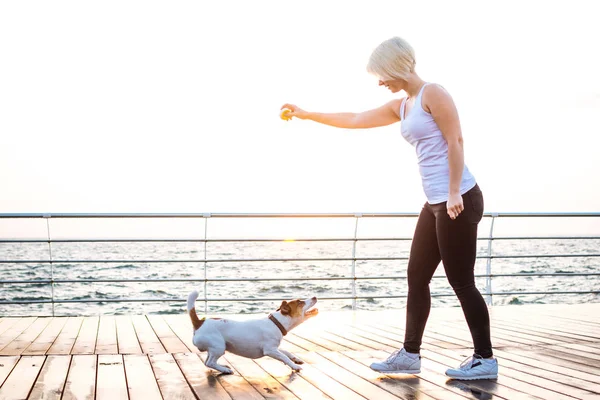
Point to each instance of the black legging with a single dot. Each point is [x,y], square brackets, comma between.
[439,238]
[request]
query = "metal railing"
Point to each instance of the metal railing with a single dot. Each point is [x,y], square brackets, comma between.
[353,278]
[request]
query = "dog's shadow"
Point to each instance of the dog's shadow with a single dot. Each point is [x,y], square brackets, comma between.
[292,377]
[211,379]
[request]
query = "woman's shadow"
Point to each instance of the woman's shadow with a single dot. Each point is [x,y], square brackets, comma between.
[482,389]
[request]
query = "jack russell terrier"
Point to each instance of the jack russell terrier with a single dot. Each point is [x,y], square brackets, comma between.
[252,339]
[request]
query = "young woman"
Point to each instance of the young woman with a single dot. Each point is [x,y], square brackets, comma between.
[447,226]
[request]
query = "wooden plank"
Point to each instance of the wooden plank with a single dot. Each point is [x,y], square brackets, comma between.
[498,327]
[479,387]
[305,345]
[141,383]
[433,379]
[568,316]
[459,335]
[21,379]
[426,385]
[147,338]
[581,358]
[15,330]
[431,337]
[51,381]
[579,388]
[106,342]
[292,381]
[426,346]
[434,383]
[292,348]
[7,323]
[171,381]
[579,349]
[110,382]
[43,342]
[235,385]
[170,340]
[535,325]
[317,339]
[361,386]
[25,339]
[369,338]
[66,339]
[543,379]
[203,383]
[86,339]
[564,369]
[556,358]
[389,344]
[7,364]
[126,337]
[264,383]
[326,384]
[183,329]
[81,381]
[505,382]
[459,329]
[434,370]
[351,340]
[345,339]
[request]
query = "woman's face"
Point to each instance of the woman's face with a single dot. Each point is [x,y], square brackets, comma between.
[394,85]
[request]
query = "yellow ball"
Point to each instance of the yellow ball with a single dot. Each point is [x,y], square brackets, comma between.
[284,114]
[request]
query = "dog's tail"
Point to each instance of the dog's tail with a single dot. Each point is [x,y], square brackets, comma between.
[191,306]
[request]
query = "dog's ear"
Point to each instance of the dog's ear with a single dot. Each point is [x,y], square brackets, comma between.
[285,308]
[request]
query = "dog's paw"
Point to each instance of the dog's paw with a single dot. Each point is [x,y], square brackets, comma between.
[297,360]
[227,371]
[296,368]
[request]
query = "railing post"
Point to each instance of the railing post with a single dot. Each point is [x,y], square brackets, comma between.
[47,217]
[488,269]
[206,217]
[353,273]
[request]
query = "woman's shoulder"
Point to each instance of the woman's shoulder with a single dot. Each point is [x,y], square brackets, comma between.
[434,88]
[434,93]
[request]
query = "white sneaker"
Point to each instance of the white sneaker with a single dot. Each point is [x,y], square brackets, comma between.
[399,362]
[475,367]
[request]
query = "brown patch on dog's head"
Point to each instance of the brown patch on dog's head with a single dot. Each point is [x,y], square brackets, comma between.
[292,308]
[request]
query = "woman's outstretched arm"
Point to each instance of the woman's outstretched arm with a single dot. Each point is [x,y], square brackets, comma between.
[387,114]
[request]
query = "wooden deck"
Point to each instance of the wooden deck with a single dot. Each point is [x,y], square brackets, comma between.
[545,352]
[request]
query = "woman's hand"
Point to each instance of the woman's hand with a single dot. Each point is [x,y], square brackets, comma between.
[295,111]
[454,205]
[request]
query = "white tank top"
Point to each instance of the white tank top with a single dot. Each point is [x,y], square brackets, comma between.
[420,130]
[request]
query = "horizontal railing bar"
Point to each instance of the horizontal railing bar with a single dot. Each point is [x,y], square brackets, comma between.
[282,215]
[216,260]
[549,292]
[275,298]
[543,256]
[540,274]
[202,240]
[542,238]
[202,300]
[291,279]
[228,260]
[209,215]
[187,240]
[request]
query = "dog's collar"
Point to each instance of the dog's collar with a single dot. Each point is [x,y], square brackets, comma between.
[278,324]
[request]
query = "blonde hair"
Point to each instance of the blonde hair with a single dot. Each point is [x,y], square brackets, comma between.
[392,59]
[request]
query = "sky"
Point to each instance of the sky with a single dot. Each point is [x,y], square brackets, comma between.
[172,107]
